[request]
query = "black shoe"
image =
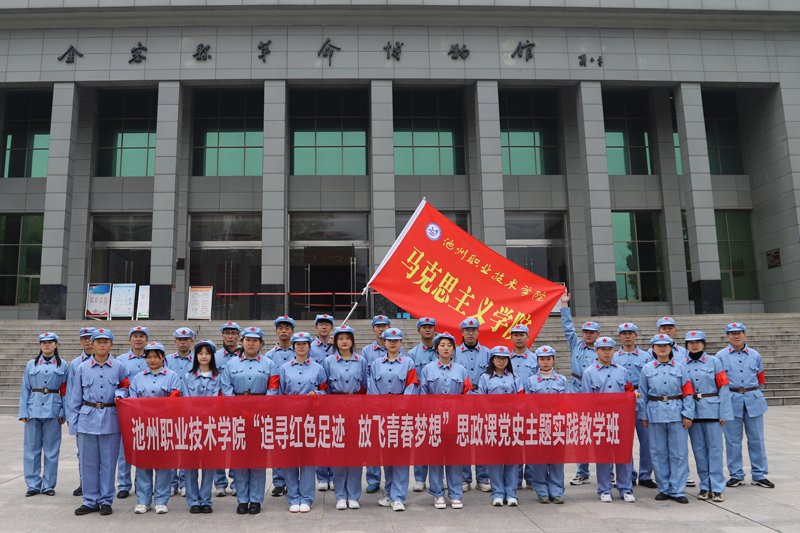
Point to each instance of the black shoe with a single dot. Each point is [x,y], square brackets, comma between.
[648,483]
[733,482]
[241,509]
[255,508]
[681,499]
[194,509]
[613,481]
[31,492]
[82,510]
[123,494]
[277,492]
[661,497]
[633,483]
[105,510]
[206,509]
[78,491]
[763,482]
[704,495]
[51,492]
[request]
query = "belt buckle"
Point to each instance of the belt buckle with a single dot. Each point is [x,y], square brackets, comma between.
[246,393]
[99,405]
[45,390]
[665,398]
[740,390]
[699,396]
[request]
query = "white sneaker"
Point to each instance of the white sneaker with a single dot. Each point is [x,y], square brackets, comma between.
[457,504]
[322,486]
[141,509]
[173,492]
[183,492]
[341,505]
[485,487]
[220,491]
[161,509]
[439,503]
[606,498]
[294,508]
[398,506]
[304,508]
[579,480]
[465,486]
[512,502]
[419,486]
[353,504]
[385,502]
[330,485]
[497,502]
[629,497]
[233,491]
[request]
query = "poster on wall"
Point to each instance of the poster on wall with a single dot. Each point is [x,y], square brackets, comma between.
[199,303]
[122,298]
[143,302]
[98,299]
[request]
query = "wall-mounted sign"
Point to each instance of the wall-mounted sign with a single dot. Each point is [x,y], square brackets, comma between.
[774,258]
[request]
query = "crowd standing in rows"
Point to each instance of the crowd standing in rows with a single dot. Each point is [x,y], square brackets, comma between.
[682,393]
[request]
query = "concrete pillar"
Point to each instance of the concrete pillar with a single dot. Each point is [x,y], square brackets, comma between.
[58,202]
[596,199]
[164,250]
[698,199]
[490,165]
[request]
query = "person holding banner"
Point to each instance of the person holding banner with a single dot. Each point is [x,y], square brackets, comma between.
[394,374]
[93,414]
[252,374]
[181,362]
[231,333]
[606,376]
[583,355]
[41,409]
[321,348]
[423,354]
[525,366]
[281,354]
[85,337]
[347,374]
[713,409]
[443,376]
[303,377]
[155,382]
[135,361]
[668,395]
[202,380]
[547,479]
[499,378]
[475,358]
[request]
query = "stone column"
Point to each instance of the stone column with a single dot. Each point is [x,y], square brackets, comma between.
[490,165]
[698,199]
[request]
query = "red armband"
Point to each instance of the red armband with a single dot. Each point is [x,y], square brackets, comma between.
[761,378]
[174,394]
[687,389]
[63,389]
[411,378]
[628,387]
[323,386]
[124,384]
[274,382]
[521,391]
[467,386]
[721,379]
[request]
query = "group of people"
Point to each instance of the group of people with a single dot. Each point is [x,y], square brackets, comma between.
[681,391]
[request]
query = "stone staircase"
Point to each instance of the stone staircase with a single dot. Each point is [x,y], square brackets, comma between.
[775,336]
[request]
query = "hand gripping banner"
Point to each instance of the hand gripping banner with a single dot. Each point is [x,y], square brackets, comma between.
[360,430]
[437,269]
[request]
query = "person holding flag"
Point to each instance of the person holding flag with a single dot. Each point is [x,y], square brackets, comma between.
[282,353]
[525,365]
[423,354]
[231,333]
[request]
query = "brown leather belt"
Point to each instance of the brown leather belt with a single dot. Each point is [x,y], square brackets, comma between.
[576,376]
[664,398]
[742,390]
[250,394]
[700,396]
[99,405]
[46,390]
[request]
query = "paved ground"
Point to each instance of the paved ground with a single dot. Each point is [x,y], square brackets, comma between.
[746,509]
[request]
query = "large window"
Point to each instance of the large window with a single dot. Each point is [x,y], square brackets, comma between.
[26,135]
[121,249]
[126,133]
[537,242]
[429,132]
[20,258]
[722,132]
[627,121]
[638,257]
[228,137]
[529,132]
[329,131]
[736,261]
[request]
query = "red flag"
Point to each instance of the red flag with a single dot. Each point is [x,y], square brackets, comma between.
[437,269]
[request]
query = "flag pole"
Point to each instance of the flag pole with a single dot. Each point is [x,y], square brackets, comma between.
[388,256]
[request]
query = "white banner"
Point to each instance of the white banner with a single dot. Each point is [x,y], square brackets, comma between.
[199,303]
[122,298]
[143,303]
[98,299]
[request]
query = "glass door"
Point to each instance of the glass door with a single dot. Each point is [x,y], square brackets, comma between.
[235,275]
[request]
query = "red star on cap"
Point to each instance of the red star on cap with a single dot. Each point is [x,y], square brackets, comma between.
[428,320]
[502,349]
[544,350]
[86,331]
[605,340]
[693,334]
[661,336]
[734,325]
[284,316]
[230,323]
[625,326]
[46,334]
[183,332]
[470,322]
[380,317]
[100,331]
[252,329]
[301,335]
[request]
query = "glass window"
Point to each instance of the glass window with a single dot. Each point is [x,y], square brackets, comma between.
[529,132]
[638,256]
[429,132]
[126,133]
[116,228]
[524,225]
[736,259]
[722,132]
[627,124]
[225,227]
[536,242]
[120,265]
[675,137]
[329,132]
[228,136]
[26,135]
[459,219]
[20,258]
[329,227]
